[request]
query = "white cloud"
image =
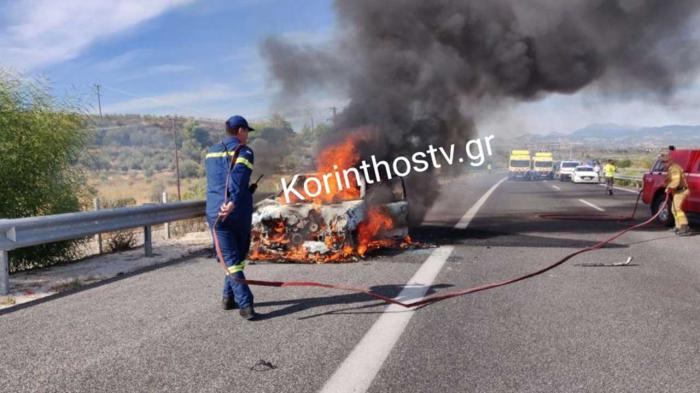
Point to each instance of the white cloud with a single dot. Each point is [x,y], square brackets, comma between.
[180,101]
[155,70]
[120,61]
[42,32]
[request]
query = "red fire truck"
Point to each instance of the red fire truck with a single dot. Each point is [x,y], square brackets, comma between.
[653,191]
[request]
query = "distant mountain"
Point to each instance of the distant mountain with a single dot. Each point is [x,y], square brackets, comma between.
[616,132]
[609,135]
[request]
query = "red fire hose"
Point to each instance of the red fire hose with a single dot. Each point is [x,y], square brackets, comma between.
[447,295]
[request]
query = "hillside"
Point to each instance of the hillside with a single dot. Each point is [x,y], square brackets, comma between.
[607,134]
[134,156]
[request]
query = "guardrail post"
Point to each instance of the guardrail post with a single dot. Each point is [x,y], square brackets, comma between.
[167,224]
[4,272]
[147,241]
[98,237]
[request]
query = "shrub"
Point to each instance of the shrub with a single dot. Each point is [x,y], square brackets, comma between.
[119,240]
[189,168]
[40,141]
[624,163]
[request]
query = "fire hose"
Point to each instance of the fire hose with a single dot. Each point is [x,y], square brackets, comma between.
[439,296]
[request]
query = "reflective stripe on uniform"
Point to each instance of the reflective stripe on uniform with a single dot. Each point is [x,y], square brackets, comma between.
[219,154]
[245,162]
[239,160]
[236,268]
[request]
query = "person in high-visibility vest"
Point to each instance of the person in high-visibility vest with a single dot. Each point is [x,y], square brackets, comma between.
[677,188]
[609,171]
[232,218]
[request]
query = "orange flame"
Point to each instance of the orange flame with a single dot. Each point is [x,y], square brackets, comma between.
[279,244]
[331,162]
[368,230]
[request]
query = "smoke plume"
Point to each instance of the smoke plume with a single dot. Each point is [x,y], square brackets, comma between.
[415,71]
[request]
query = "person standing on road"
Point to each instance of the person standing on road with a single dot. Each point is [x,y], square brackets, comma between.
[597,168]
[609,170]
[229,165]
[677,188]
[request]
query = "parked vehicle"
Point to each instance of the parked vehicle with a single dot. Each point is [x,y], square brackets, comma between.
[542,166]
[519,164]
[566,170]
[585,174]
[653,191]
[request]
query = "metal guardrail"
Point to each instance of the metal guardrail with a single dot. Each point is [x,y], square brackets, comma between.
[636,179]
[31,231]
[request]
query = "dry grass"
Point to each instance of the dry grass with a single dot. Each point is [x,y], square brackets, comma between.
[134,184]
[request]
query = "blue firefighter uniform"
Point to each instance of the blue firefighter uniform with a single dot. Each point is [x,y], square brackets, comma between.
[234,232]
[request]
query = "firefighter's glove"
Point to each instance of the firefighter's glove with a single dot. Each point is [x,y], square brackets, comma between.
[253,187]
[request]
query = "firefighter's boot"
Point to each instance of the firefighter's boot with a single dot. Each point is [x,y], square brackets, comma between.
[248,313]
[684,230]
[227,303]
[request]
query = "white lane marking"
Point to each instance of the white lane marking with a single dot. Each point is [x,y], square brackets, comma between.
[585,202]
[556,188]
[623,189]
[471,213]
[358,370]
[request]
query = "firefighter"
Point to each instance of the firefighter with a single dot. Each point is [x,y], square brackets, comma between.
[233,218]
[609,171]
[677,188]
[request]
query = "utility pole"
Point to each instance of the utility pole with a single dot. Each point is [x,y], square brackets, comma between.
[335,113]
[177,157]
[311,115]
[99,99]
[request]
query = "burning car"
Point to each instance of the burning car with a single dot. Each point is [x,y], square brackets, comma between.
[340,228]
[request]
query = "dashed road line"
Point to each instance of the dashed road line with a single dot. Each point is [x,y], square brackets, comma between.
[556,187]
[359,369]
[585,202]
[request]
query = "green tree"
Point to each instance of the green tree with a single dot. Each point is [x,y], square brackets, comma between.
[194,132]
[189,168]
[40,141]
[192,150]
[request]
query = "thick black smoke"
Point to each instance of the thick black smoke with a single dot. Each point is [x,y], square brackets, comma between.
[415,70]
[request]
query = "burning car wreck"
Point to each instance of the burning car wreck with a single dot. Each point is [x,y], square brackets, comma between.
[340,228]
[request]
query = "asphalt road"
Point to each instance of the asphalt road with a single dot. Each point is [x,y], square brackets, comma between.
[573,329]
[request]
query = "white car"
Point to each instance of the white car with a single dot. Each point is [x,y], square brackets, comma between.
[585,174]
[566,170]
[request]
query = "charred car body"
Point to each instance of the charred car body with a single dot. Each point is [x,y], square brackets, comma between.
[337,230]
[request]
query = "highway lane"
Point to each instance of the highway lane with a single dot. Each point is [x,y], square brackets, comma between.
[164,330]
[625,329]
[572,329]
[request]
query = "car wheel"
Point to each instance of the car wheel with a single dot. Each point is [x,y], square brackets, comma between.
[666,217]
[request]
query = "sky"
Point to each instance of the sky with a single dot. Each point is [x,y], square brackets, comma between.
[200,58]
